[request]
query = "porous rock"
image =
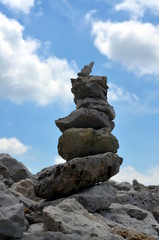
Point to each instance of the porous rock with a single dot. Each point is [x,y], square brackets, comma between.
[70,217]
[101,80]
[76,175]
[81,142]
[16,169]
[85,118]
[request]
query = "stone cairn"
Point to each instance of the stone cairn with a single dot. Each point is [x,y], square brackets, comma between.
[86,143]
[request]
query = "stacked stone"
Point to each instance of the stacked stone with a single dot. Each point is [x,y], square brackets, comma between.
[87,144]
[87,130]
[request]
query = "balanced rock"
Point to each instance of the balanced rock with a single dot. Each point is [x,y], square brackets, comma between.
[76,174]
[85,118]
[88,89]
[98,104]
[83,142]
[86,70]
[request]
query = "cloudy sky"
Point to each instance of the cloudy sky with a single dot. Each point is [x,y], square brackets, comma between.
[43,43]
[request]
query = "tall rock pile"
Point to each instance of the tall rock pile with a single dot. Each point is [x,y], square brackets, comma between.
[86,143]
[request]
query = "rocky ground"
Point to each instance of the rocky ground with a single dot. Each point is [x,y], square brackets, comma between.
[106,211]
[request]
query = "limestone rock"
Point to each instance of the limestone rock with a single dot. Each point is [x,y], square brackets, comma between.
[98,104]
[81,142]
[84,118]
[144,199]
[25,187]
[6,197]
[86,70]
[96,198]
[85,89]
[101,80]
[11,221]
[75,175]
[16,169]
[132,234]
[70,217]
[132,218]
[51,236]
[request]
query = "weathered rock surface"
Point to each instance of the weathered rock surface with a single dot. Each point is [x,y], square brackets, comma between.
[101,80]
[25,187]
[83,142]
[124,210]
[98,104]
[11,221]
[17,170]
[70,217]
[85,118]
[85,89]
[76,174]
[132,217]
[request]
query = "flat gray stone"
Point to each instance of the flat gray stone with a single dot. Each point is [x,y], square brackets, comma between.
[98,104]
[76,175]
[85,118]
[81,142]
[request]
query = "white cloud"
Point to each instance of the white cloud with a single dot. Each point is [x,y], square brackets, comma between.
[20,5]
[24,76]
[131,43]
[137,8]
[128,174]
[119,94]
[59,160]
[12,146]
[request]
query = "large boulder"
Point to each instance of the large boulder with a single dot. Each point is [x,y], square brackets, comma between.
[85,118]
[76,175]
[81,142]
[70,217]
[17,170]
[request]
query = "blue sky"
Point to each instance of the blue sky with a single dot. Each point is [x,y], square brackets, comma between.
[45,43]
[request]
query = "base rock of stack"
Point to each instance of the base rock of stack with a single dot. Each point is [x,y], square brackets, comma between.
[83,142]
[77,174]
[85,118]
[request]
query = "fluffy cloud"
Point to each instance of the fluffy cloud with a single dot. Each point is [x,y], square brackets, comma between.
[20,5]
[137,8]
[59,160]
[24,76]
[128,43]
[12,146]
[128,174]
[119,94]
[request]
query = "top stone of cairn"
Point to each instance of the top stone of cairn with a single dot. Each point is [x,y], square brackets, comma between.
[86,70]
